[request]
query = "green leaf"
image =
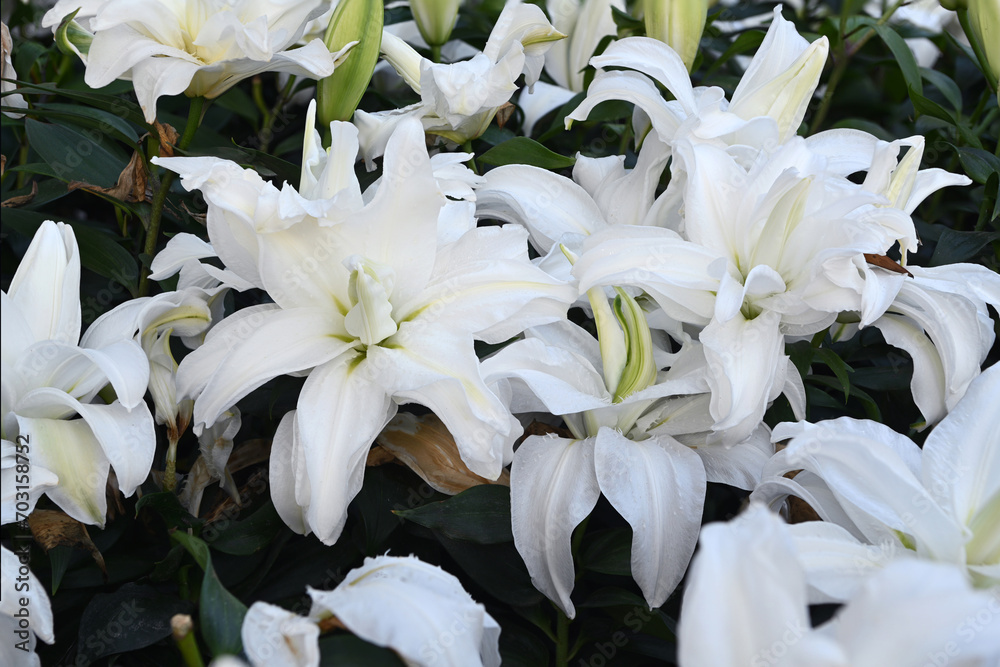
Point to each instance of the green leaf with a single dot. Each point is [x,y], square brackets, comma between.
[165,504]
[219,611]
[104,121]
[609,552]
[59,558]
[838,366]
[99,252]
[904,57]
[480,514]
[497,568]
[242,538]
[195,546]
[345,650]
[75,154]
[954,247]
[522,150]
[978,164]
[626,23]
[133,617]
[745,42]
[927,107]
[943,83]
[221,615]
[115,104]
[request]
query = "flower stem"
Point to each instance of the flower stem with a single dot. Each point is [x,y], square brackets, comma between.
[183,631]
[843,59]
[562,638]
[170,469]
[153,231]
[436,53]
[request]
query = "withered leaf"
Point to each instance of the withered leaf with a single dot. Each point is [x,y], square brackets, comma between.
[11,202]
[52,528]
[426,447]
[168,138]
[131,185]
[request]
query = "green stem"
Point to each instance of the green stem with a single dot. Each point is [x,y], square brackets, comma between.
[170,469]
[155,215]
[436,53]
[183,631]
[843,60]
[467,147]
[977,48]
[562,638]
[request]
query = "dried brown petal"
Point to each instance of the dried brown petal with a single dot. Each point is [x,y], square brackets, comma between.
[52,528]
[886,263]
[426,446]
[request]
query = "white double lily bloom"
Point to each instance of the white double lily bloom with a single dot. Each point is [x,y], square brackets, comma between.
[378,298]
[882,498]
[458,100]
[768,252]
[57,406]
[195,47]
[745,603]
[941,319]
[416,609]
[639,438]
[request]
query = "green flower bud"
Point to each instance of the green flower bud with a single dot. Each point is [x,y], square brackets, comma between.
[435,19]
[984,17]
[358,21]
[71,37]
[678,24]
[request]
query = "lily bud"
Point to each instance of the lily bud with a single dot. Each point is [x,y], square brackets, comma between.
[984,17]
[358,22]
[435,19]
[71,37]
[678,24]
[613,341]
[640,368]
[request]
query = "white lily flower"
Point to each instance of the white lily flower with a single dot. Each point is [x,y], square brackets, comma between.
[623,447]
[775,250]
[377,312]
[418,610]
[168,47]
[745,604]
[941,319]
[777,85]
[585,23]
[25,611]
[459,100]
[48,379]
[151,321]
[601,193]
[885,498]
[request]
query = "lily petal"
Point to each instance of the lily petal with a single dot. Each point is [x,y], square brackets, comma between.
[745,591]
[553,487]
[658,485]
[340,411]
[69,449]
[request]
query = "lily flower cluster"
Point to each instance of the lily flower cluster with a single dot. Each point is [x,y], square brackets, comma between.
[641,307]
